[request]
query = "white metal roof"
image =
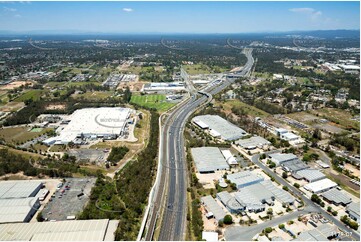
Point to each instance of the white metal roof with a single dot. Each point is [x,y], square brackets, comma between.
[91,230]
[320,185]
[311,174]
[17,210]
[209,236]
[253,141]
[214,207]
[18,189]
[231,160]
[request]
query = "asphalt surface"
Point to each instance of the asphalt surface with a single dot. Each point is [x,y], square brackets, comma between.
[170,196]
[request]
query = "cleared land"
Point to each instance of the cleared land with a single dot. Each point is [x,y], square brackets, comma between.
[156,101]
[250,110]
[97,95]
[338,116]
[32,94]
[197,69]
[19,134]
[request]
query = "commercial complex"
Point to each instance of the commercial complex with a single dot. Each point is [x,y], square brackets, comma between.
[230,202]
[279,158]
[353,211]
[209,159]
[164,87]
[219,127]
[231,160]
[105,122]
[76,230]
[311,175]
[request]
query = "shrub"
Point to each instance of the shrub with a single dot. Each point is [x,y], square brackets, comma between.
[228,219]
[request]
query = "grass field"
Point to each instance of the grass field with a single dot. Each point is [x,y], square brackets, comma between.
[197,69]
[97,95]
[152,101]
[250,110]
[19,134]
[32,94]
[338,116]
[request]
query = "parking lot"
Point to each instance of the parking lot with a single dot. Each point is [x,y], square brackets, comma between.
[96,156]
[69,199]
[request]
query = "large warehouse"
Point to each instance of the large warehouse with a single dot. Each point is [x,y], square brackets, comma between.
[17,200]
[213,207]
[105,122]
[209,159]
[76,230]
[320,186]
[219,127]
[279,158]
[244,179]
[311,175]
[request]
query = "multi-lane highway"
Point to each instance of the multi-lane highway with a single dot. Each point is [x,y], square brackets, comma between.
[169,201]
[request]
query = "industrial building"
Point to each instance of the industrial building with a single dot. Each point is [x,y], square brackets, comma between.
[320,186]
[253,143]
[230,202]
[231,160]
[353,211]
[279,158]
[18,210]
[324,232]
[311,175]
[294,166]
[281,195]
[164,87]
[244,179]
[19,189]
[336,197]
[219,127]
[93,123]
[209,159]
[75,230]
[18,201]
[213,207]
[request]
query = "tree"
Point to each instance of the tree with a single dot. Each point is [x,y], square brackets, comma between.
[40,217]
[296,185]
[268,230]
[329,209]
[285,188]
[228,219]
[284,175]
[233,186]
[281,226]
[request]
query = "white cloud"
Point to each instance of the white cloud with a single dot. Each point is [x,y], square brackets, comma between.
[17,16]
[311,12]
[6,9]
[127,9]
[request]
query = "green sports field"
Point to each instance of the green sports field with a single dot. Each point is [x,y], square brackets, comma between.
[156,101]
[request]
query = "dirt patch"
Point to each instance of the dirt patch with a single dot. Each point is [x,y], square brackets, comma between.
[133,86]
[15,84]
[353,170]
[12,106]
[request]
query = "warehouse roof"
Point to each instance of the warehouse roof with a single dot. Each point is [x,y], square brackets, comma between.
[17,210]
[281,158]
[18,189]
[229,201]
[320,185]
[311,174]
[227,130]
[294,165]
[354,209]
[243,178]
[280,194]
[75,230]
[321,233]
[252,199]
[208,159]
[214,207]
[252,142]
[337,196]
[231,160]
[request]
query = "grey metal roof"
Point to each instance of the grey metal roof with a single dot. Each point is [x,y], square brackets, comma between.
[209,159]
[17,210]
[248,198]
[327,229]
[214,207]
[311,235]
[227,130]
[295,165]
[354,208]
[336,196]
[253,141]
[75,230]
[311,174]
[243,178]
[281,158]
[18,189]
[229,201]
[280,194]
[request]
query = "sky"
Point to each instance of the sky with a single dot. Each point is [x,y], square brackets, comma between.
[178,17]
